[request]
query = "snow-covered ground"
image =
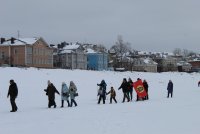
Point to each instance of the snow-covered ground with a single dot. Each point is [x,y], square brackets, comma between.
[158,115]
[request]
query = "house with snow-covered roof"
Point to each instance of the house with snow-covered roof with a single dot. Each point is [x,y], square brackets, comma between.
[96,60]
[195,64]
[184,66]
[144,65]
[26,52]
[166,63]
[72,56]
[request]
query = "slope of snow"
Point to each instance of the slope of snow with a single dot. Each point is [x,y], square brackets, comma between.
[159,115]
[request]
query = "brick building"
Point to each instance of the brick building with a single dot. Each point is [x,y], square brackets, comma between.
[195,64]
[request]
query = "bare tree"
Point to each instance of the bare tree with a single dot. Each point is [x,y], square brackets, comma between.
[177,51]
[121,48]
[185,52]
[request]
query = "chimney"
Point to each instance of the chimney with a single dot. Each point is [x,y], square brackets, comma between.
[3,40]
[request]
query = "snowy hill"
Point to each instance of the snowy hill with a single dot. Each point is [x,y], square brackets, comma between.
[158,115]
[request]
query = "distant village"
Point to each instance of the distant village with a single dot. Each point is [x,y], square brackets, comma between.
[36,52]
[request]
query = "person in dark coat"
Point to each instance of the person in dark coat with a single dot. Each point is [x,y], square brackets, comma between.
[13,92]
[130,88]
[137,97]
[50,92]
[146,86]
[102,91]
[124,87]
[170,88]
[112,95]
[199,84]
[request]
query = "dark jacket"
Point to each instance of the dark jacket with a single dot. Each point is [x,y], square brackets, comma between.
[146,86]
[102,88]
[51,90]
[130,87]
[13,90]
[124,86]
[170,87]
[102,85]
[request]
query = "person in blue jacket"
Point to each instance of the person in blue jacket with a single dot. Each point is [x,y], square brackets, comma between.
[64,94]
[170,89]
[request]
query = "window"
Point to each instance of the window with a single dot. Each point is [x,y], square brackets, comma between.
[15,51]
[29,50]
[2,55]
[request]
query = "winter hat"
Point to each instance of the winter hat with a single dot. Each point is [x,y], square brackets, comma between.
[11,81]
[48,82]
[71,83]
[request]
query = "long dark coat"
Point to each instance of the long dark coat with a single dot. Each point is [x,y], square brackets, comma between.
[170,87]
[51,90]
[146,86]
[13,90]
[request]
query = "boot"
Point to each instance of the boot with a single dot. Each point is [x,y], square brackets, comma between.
[62,103]
[68,103]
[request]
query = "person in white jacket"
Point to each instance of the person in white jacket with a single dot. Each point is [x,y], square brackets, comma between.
[72,92]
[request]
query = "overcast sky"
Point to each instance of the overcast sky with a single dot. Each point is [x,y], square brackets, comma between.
[150,25]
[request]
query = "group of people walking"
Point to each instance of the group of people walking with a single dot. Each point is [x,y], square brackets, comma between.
[66,93]
[127,89]
[69,94]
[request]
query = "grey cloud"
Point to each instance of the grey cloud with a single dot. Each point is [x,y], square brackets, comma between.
[152,25]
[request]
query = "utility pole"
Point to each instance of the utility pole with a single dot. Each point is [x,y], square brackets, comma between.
[18,34]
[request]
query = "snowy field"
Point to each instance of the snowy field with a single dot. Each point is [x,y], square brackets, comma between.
[158,115]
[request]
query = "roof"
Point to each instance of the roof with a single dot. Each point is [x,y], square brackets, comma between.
[66,51]
[149,61]
[71,47]
[91,51]
[21,41]
[181,63]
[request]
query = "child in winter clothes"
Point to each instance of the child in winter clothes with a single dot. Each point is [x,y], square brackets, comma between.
[112,95]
